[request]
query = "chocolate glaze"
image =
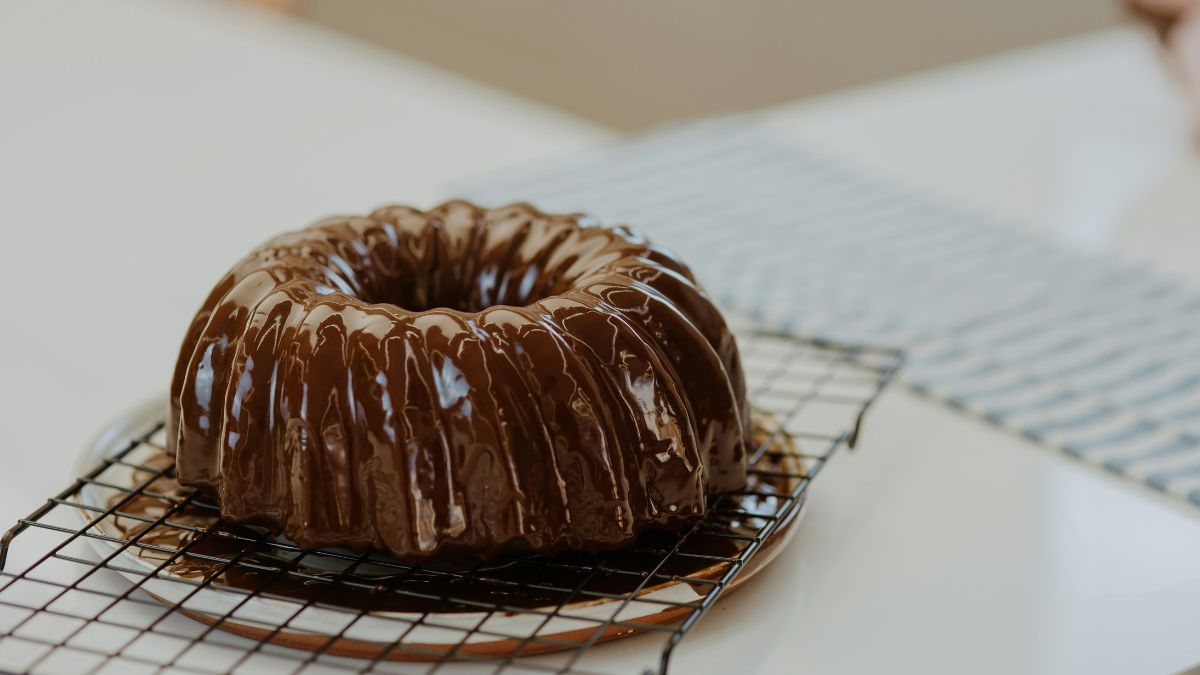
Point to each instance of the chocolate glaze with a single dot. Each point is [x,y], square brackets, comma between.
[520,582]
[459,382]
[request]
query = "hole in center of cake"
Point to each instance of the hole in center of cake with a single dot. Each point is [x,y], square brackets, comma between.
[489,286]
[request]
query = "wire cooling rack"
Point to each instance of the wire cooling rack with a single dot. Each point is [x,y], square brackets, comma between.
[87,591]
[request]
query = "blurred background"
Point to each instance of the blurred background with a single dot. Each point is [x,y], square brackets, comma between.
[630,64]
[1091,147]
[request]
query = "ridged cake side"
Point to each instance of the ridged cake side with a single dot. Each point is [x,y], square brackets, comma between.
[459,382]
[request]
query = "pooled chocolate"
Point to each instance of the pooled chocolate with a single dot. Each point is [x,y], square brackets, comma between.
[460,382]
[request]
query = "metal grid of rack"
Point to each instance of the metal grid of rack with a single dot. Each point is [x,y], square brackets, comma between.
[90,584]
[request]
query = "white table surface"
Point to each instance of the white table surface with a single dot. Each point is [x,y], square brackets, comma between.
[145,146]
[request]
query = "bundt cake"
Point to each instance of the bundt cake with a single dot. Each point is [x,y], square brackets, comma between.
[459,382]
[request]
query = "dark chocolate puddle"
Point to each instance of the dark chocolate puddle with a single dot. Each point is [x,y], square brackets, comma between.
[195,544]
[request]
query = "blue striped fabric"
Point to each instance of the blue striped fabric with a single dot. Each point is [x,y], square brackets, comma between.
[1091,356]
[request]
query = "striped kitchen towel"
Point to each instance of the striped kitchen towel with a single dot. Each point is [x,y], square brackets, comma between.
[1092,356]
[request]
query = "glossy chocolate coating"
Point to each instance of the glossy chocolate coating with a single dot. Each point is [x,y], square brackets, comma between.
[460,382]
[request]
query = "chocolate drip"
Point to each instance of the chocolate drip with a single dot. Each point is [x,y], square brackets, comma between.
[459,382]
[194,543]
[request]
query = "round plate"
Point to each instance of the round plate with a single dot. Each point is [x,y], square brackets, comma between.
[351,620]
